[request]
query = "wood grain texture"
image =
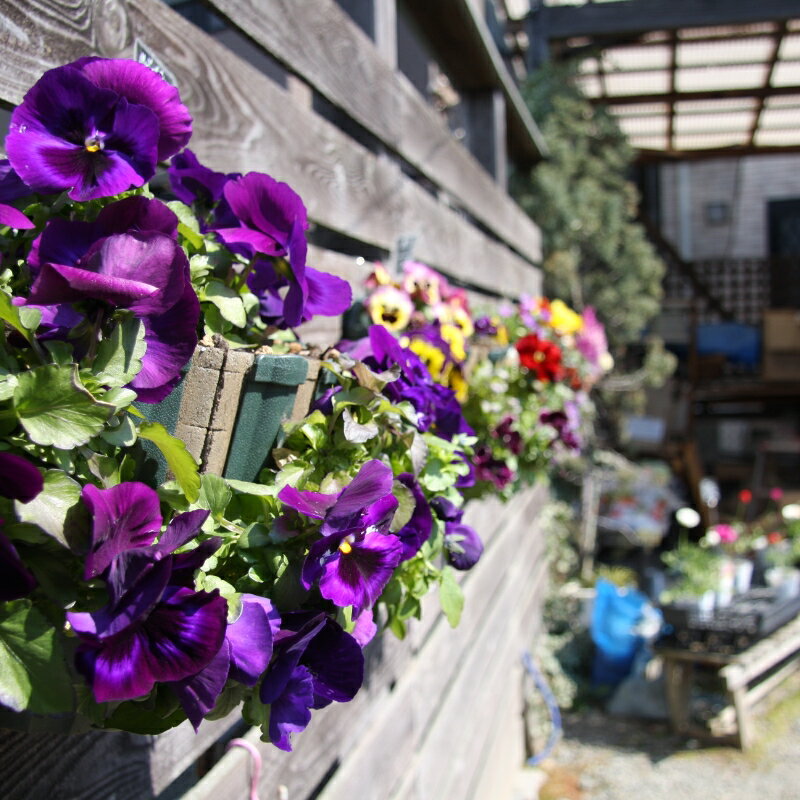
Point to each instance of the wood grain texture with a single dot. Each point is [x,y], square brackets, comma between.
[243,121]
[317,40]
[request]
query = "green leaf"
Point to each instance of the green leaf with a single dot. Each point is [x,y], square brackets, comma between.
[215,494]
[8,383]
[33,673]
[30,317]
[228,301]
[451,597]
[119,398]
[10,313]
[56,508]
[119,357]
[60,352]
[246,487]
[195,239]
[354,431]
[180,461]
[406,505]
[124,435]
[55,409]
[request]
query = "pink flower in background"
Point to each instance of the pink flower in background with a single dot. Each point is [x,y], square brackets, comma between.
[726,533]
[776,494]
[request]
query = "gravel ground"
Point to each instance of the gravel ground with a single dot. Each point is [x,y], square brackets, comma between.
[607,758]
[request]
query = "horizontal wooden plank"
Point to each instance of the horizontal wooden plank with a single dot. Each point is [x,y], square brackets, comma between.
[318,40]
[243,121]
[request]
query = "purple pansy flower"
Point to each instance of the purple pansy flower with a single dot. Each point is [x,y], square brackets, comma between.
[70,134]
[19,480]
[128,257]
[316,662]
[193,182]
[508,436]
[12,187]
[463,546]
[417,530]
[244,656]
[566,424]
[139,84]
[436,405]
[272,222]
[155,628]
[356,555]
[491,469]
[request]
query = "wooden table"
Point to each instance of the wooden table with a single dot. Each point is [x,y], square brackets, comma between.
[749,676]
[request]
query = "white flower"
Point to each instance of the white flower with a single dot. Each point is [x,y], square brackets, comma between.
[791,512]
[687,517]
[712,538]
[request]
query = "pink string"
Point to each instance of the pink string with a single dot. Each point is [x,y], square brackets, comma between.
[255,760]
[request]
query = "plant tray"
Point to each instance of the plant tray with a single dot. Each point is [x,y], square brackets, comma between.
[750,617]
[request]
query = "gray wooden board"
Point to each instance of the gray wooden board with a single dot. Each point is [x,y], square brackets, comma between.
[319,41]
[244,121]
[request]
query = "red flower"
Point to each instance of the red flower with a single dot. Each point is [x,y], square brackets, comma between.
[745,496]
[774,537]
[540,356]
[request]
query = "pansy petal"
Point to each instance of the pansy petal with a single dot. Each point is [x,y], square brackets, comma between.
[373,481]
[319,554]
[250,640]
[290,712]
[312,504]
[336,663]
[13,218]
[328,295]
[418,529]
[185,632]
[198,694]
[125,516]
[358,577]
[365,627]
[139,84]
[182,528]
[171,339]
[15,578]
[19,479]
[463,545]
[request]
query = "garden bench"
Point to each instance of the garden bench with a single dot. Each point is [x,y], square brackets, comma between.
[748,676]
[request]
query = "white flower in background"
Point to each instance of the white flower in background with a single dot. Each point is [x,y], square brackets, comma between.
[791,512]
[712,538]
[760,543]
[687,517]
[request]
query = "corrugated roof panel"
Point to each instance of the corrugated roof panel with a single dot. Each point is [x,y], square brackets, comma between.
[649,142]
[781,118]
[783,101]
[643,126]
[639,109]
[715,106]
[622,83]
[787,73]
[714,123]
[777,138]
[633,59]
[700,141]
[732,51]
[741,76]
[790,48]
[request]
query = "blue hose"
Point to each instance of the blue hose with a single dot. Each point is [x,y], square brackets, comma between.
[552,707]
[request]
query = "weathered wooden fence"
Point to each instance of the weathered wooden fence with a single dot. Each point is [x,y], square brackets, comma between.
[297,89]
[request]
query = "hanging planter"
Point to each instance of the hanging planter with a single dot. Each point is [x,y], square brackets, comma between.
[229,406]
